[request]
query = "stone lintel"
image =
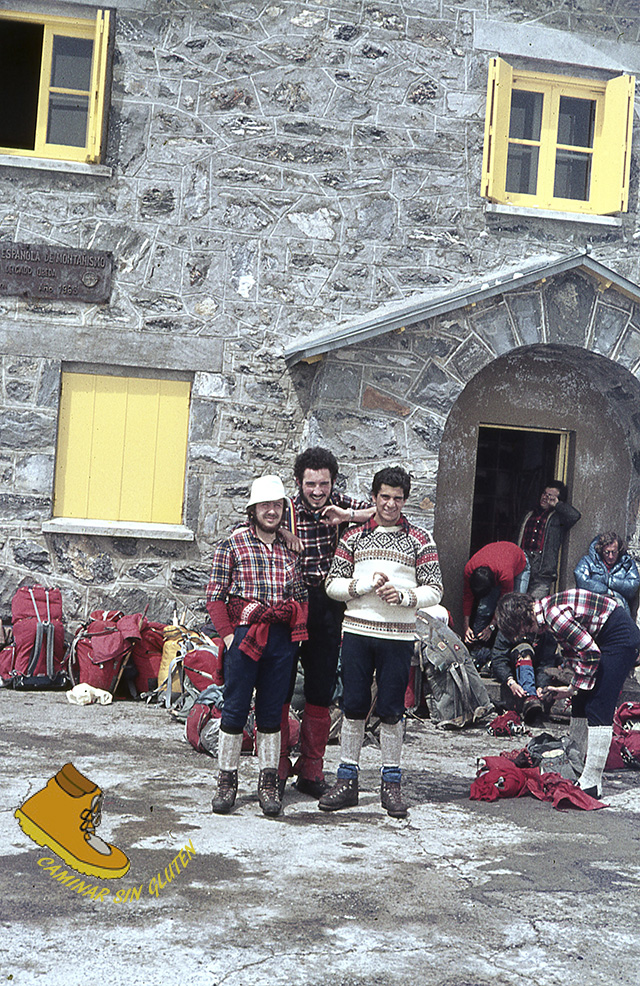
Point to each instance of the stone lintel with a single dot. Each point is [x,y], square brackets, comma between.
[89,344]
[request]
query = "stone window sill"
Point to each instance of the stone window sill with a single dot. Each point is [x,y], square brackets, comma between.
[48,164]
[117,528]
[574,217]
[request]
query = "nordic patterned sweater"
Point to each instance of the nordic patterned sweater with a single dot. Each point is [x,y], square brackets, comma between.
[407,555]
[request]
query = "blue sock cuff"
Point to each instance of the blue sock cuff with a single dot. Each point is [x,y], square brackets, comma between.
[391,774]
[347,772]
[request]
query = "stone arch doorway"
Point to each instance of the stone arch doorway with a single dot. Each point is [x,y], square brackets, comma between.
[591,399]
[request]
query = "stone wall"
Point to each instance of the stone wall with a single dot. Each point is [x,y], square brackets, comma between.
[275,168]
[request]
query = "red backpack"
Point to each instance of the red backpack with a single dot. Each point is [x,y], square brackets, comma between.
[101,648]
[36,658]
[146,656]
[625,743]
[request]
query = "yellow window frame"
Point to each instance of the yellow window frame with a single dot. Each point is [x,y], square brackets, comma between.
[610,154]
[122,448]
[96,30]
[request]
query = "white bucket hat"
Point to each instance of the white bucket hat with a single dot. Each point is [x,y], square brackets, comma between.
[266,488]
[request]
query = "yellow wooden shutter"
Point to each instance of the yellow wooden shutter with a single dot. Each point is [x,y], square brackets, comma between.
[122,446]
[98,83]
[612,152]
[496,129]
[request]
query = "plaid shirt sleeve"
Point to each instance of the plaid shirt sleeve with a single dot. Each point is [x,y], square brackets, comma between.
[221,573]
[562,616]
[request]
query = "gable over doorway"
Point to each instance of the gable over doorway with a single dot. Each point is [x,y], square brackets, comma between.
[551,388]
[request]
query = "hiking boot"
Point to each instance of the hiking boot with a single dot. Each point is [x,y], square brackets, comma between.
[314,788]
[533,711]
[343,794]
[593,792]
[225,796]
[63,816]
[268,794]
[391,799]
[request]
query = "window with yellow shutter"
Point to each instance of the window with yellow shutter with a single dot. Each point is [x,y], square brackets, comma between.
[122,448]
[53,85]
[556,142]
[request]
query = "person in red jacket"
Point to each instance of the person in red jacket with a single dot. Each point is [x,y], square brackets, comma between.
[494,570]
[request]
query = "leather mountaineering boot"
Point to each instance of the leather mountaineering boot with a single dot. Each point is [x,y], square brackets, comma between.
[63,816]
[225,796]
[533,711]
[315,788]
[343,794]
[391,799]
[268,794]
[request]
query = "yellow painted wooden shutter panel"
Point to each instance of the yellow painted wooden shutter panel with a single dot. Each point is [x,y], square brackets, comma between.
[122,446]
[98,82]
[496,129]
[612,154]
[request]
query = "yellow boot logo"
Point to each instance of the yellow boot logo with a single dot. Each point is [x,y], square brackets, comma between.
[63,816]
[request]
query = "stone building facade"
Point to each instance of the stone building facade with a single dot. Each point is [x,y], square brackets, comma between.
[273,175]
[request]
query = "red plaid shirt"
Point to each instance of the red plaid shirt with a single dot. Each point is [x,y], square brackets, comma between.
[320,540]
[244,568]
[575,618]
[534,529]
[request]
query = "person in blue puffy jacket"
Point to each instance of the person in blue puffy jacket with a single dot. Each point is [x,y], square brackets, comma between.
[608,569]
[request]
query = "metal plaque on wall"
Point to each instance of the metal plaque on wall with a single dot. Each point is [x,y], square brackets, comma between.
[32,270]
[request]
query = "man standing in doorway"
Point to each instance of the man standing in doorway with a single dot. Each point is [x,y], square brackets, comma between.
[319,513]
[541,535]
[384,570]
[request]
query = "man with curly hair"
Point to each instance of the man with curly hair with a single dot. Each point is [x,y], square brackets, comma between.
[320,513]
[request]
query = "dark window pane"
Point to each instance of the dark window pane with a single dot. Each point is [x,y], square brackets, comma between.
[522,169]
[67,119]
[576,121]
[71,63]
[573,175]
[20,58]
[526,115]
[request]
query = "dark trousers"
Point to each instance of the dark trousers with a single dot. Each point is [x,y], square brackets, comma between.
[619,642]
[319,654]
[269,676]
[389,660]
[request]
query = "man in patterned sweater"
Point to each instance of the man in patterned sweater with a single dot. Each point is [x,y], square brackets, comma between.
[384,570]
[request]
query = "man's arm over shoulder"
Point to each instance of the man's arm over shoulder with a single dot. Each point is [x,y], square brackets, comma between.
[345,509]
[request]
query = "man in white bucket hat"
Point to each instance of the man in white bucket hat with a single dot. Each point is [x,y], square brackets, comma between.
[257,600]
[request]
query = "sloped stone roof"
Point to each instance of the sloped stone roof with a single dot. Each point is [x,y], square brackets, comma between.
[417,308]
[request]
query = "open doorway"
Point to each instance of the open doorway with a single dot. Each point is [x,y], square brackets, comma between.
[512,466]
